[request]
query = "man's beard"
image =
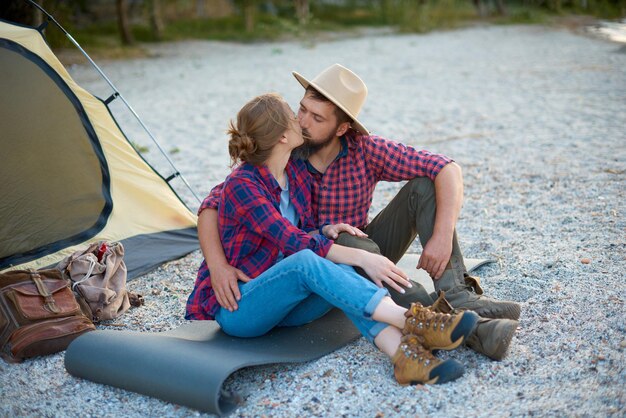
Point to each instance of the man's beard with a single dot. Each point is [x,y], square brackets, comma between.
[308,147]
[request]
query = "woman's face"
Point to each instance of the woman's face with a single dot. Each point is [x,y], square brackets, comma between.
[294,132]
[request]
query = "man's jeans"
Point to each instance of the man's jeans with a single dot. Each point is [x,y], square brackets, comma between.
[393,230]
[299,289]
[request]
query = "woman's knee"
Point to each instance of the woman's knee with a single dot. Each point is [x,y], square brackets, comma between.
[239,327]
[303,257]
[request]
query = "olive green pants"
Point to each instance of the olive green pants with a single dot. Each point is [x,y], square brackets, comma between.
[411,213]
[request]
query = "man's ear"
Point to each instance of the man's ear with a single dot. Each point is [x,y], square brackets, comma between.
[342,128]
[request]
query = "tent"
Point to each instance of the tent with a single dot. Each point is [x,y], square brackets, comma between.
[69,176]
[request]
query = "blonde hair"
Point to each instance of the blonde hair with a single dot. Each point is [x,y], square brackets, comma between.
[260,124]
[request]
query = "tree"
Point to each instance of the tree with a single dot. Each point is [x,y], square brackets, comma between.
[156,20]
[249,14]
[302,11]
[123,22]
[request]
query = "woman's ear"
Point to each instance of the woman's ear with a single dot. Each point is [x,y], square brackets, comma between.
[283,138]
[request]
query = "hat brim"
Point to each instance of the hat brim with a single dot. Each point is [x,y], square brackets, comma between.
[306,83]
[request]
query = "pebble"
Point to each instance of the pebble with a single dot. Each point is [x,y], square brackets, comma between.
[532,114]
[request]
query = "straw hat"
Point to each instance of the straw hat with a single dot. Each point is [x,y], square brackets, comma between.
[342,87]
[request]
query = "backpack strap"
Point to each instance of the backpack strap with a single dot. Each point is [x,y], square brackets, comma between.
[49,303]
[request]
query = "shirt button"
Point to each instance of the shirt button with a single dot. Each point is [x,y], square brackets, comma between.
[324,187]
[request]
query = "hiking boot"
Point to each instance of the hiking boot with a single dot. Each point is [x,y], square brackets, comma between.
[491,337]
[439,330]
[414,364]
[464,292]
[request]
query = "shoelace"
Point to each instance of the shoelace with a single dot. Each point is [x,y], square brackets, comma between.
[421,317]
[412,347]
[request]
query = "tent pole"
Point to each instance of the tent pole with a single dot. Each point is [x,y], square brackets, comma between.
[77,45]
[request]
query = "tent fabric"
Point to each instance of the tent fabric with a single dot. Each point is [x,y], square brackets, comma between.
[69,175]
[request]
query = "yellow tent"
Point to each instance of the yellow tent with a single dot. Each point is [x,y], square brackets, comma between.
[68,174]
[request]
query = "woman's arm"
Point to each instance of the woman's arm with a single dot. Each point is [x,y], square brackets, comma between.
[224,277]
[379,268]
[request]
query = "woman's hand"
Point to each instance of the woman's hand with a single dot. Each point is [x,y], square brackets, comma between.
[333,231]
[380,269]
[224,278]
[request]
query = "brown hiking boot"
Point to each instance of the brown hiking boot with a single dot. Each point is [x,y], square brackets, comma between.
[464,292]
[414,364]
[439,330]
[491,337]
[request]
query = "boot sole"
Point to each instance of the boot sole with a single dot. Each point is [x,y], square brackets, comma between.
[503,344]
[446,372]
[462,330]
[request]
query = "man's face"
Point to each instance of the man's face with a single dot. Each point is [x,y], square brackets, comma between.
[318,122]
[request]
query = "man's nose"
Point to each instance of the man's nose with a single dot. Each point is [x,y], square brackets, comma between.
[302,120]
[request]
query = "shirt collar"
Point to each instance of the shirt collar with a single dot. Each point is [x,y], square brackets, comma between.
[268,180]
[343,151]
[352,139]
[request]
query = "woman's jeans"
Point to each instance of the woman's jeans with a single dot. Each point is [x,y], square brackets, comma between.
[299,289]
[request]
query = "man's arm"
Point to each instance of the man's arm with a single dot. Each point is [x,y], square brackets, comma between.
[449,197]
[394,161]
[224,277]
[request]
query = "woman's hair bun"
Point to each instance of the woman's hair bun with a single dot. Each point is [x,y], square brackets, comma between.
[260,124]
[240,145]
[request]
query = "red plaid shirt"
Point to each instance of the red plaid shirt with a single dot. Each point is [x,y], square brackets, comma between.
[343,194]
[252,229]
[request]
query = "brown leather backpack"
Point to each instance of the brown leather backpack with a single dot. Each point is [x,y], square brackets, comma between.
[39,314]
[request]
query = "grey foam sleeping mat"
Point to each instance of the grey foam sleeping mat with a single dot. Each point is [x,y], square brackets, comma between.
[189,365]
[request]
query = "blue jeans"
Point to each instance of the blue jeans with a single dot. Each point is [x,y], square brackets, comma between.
[299,289]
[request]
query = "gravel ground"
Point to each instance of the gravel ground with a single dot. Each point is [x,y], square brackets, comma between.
[537,118]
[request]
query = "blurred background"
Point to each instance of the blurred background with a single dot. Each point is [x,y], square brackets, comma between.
[117,27]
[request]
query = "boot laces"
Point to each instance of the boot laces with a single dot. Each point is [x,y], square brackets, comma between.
[412,347]
[422,318]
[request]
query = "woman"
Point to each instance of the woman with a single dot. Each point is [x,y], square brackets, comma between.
[266,228]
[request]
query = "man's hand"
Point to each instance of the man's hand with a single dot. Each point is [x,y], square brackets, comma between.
[435,256]
[224,280]
[380,269]
[333,231]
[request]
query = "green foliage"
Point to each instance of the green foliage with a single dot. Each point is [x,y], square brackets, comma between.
[416,16]
[523,15]
[277,19]
[267,27]
[340,16]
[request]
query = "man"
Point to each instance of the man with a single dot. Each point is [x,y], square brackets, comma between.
[345,163]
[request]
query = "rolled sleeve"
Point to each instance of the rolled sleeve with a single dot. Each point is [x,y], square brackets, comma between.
[394,161]
[212,201]
[323,246]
